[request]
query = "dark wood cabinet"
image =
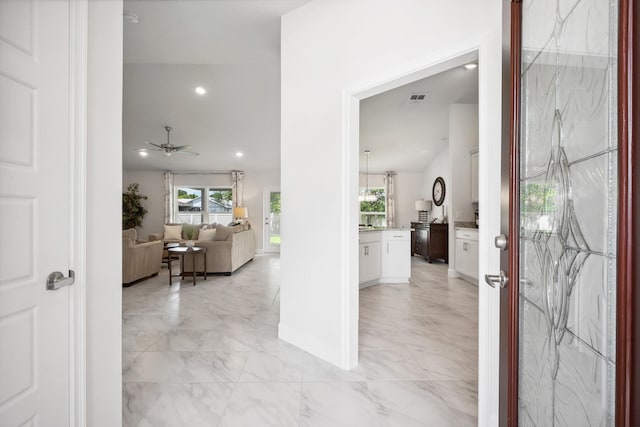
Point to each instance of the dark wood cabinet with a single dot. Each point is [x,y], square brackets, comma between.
[430,241]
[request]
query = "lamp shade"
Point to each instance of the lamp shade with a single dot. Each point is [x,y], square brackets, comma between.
[423,205]
[240,212]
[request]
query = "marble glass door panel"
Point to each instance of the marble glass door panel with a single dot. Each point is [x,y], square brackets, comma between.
[568,203]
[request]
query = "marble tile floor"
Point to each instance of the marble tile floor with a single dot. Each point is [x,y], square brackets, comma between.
[209,355]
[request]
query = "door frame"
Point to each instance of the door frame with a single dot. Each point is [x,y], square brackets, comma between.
[266,211]
[628,295]
[627,406]
[79,36]
[486,48]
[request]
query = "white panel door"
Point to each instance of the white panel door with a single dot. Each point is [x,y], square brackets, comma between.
[35,201]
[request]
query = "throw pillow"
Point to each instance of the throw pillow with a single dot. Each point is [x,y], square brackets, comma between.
[172,232]
[222,232]
[207,235]
[130,234]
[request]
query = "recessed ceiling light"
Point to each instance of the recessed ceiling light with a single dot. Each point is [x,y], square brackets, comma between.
[239,154]
[143,153]
[471,66]
[200,90]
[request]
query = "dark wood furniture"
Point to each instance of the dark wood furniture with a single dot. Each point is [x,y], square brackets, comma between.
[430,241]
[180,252]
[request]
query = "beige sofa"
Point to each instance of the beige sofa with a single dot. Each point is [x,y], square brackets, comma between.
[139,260]
[234,247]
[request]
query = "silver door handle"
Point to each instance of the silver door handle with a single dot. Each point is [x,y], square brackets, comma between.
[493,279]
[56,280]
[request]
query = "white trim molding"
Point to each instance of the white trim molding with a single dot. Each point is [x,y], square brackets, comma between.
[79,21]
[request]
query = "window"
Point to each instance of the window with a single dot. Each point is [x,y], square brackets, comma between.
[192,210]
[538,207]
[220,205]
[374,213]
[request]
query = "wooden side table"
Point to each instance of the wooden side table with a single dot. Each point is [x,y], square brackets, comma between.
[165,251]
[180,253]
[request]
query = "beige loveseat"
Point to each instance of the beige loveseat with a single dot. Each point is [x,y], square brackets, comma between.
[139,260]
[231,248]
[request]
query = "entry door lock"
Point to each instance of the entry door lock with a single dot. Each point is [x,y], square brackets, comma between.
[501,242]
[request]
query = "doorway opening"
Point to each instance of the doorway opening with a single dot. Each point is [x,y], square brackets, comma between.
[482,51]
[418,281]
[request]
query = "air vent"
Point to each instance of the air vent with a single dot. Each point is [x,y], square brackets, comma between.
[417,98]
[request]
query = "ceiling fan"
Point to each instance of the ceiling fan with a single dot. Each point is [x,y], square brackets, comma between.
[168,149]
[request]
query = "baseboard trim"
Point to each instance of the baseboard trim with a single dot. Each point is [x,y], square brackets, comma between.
[394,280]
[452,273]
[306,342]
[469,279]
[259,251]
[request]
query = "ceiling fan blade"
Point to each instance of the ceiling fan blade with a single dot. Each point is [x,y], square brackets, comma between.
[181,147]
[193,153]
[151,143]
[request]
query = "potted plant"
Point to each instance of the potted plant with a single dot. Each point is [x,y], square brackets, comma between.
[132,210]
[189,232]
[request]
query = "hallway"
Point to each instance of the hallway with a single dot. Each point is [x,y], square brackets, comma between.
[208,355]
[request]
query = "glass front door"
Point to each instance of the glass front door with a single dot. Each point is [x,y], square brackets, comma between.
[272,220]
[568,213]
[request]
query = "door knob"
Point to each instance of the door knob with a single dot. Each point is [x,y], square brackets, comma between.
[56,280]
[500,279]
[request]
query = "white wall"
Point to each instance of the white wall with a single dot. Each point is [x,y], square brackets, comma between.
[104,213]
[408,188]
[368,41]
[463,137]
[151,184]
[439,166]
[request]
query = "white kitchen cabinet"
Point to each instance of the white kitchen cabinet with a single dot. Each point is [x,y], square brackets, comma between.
[396,259]
[369,258]
[474,176]
[467,252]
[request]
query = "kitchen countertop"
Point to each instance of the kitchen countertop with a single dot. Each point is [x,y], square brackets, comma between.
[367,229]
[466,224]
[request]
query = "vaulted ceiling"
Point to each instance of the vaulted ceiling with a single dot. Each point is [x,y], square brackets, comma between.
[232,49]
[229,47]
[404,135]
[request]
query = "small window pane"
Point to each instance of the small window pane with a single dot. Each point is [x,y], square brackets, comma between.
[220,205]
[190,205]
[374,213]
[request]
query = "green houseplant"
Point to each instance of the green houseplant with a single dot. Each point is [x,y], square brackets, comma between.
[133,211]
[189,232]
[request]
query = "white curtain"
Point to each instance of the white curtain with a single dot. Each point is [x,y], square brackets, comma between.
[238,188]
[169,198]
[391,204]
